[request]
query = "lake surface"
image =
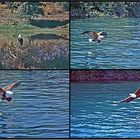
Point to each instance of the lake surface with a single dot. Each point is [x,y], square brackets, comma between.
[46,37]
[40,106]
[121,49]
[96,112]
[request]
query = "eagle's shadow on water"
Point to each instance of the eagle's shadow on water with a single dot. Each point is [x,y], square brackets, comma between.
[7,119]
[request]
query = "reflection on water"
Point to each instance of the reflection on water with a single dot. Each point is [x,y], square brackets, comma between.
[48,51]
[46,37]
[96,112]
[40,107]
[119,50]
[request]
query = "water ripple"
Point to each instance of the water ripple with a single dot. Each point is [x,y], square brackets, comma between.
[40,105]
[119,50]
[99,114]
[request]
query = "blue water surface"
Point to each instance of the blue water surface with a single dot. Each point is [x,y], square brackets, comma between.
[40,106]
[121,48]
[96,112]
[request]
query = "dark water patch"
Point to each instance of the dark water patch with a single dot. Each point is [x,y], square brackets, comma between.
[46,37]
[48,23]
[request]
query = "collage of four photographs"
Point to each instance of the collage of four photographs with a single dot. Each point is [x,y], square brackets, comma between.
[69,69]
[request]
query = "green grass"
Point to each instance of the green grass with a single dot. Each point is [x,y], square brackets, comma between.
[8,30]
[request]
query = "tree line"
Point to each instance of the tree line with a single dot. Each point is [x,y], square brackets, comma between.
[116,9]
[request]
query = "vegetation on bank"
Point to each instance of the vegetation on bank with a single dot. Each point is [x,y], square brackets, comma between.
[19,16]
[30,10]
[105,9]
[34,54]
[24,18]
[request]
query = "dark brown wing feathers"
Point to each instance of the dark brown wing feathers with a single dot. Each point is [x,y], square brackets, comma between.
[2,92]
[11,86]
[137,92]
[128,99]
[93,35]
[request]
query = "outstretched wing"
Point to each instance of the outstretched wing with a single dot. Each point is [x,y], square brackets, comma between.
[92,35]
[128,99]
[11,86]
[137,92]
[2,92]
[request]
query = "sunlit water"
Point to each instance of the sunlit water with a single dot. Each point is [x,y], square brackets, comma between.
[40,106]
[121,49]
[96,112]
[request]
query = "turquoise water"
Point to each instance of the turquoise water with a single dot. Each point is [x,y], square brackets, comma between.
[40,106]
[121,49]
[96,112]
